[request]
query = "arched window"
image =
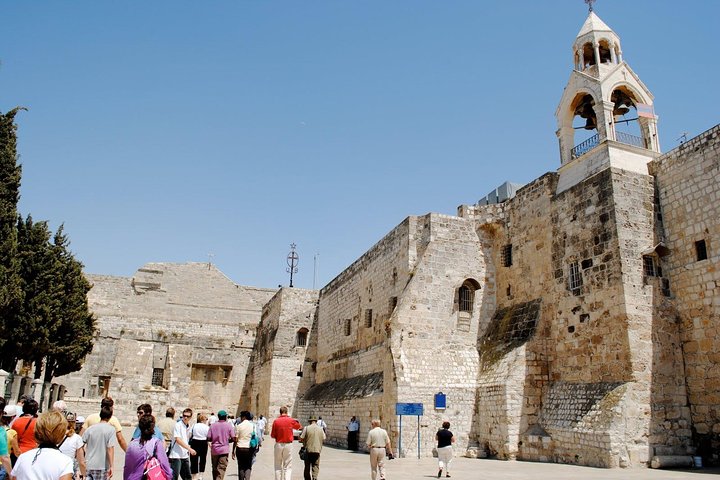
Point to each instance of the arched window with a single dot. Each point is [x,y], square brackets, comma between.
[466,295]
[301,337]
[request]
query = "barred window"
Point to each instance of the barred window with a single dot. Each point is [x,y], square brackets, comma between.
[301,337]
[158,375]
[575,278]
[506,255]
[368,317]
[348,327]
[649,266]
[466,296]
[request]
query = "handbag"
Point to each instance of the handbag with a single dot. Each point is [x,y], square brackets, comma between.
[301,452]
[152,469]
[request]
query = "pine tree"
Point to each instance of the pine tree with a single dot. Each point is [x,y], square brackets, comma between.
[74,328]
[11,295]
[36,317]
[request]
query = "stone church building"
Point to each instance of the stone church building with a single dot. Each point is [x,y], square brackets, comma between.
[573,319]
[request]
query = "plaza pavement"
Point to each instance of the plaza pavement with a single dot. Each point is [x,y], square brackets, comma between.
[340,464]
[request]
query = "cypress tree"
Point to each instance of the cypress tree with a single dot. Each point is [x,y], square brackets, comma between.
[11,294]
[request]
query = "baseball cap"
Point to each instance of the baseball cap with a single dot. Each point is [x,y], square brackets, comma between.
[222,413]
[10,411]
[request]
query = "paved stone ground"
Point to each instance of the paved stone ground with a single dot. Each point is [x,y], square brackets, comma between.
[338,464]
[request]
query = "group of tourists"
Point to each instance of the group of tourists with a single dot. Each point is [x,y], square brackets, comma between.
[47,446]
[57,445]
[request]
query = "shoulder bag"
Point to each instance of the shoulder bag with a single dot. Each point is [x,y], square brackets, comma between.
[152,469]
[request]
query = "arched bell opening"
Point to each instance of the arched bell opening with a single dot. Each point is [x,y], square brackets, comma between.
[625,118]
[588,55]
[605,54]
[584,123]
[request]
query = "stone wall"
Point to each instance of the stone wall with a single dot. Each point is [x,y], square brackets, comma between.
[688,189]
[186,323]
[280,351]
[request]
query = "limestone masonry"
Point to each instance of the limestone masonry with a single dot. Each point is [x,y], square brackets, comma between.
[576,321]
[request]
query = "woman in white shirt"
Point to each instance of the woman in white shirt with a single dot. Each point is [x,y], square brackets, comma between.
[45,462]
[199,443]
[72,446]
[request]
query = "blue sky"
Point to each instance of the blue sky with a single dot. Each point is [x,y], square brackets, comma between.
[164,131]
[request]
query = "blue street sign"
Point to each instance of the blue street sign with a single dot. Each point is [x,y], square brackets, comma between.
[408,409]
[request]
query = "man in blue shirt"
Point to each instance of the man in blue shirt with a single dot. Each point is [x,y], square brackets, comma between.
[146,409]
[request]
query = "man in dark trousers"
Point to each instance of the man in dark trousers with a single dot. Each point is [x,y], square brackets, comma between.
[312,438]
[353,433]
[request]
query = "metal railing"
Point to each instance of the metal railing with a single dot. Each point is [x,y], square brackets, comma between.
[628,139]
[585,146]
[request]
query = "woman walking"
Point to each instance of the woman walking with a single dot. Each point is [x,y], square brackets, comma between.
[199,443]
[141,449]
[244,452]
[445,439]
[72,446]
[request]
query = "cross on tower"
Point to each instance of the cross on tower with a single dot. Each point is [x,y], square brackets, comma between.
[590,4]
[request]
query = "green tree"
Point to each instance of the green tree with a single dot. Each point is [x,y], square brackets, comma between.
[11,294]
[38,268]
[74,327]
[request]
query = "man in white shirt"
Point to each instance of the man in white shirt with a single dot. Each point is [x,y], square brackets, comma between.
[181,450]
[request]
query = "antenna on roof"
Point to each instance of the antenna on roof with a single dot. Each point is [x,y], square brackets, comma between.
[590,4]
[210,257]
[683,138]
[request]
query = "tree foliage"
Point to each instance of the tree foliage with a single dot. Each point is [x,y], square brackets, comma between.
[49,322]
[10,172]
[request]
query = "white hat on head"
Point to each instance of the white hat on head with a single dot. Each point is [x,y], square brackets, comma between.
[10,411]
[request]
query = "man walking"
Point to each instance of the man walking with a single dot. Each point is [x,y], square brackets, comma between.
[167,426]
[321,423]
[220,435]
[282,432]
[312,437]
[142,410]
[353,434]
[261,428]
[181,450]
[100,447]
[94,418]
[378,442]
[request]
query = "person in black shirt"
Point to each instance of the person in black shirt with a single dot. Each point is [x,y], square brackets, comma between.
[445,440]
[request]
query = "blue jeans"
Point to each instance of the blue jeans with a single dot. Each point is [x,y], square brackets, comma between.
[181,468]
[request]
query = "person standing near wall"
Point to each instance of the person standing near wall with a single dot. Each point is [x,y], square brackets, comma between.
[282,432]
[312,438]
[242,448]
[445,439]
[378,442]
[261,423]
[353,433]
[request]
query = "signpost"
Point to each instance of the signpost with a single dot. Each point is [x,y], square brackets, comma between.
[409,409]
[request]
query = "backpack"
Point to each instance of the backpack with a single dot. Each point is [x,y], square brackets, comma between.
[253,440]
[152,469]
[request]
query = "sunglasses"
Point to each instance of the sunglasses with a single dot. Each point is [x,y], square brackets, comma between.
[140,412]
[187,416]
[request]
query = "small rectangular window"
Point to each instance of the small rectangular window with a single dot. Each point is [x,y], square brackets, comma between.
[507,255]
[348,327]
[701,250]
[158,375]
[368,317]
[574,278]
[649,266]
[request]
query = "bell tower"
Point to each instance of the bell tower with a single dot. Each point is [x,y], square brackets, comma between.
[606,116]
